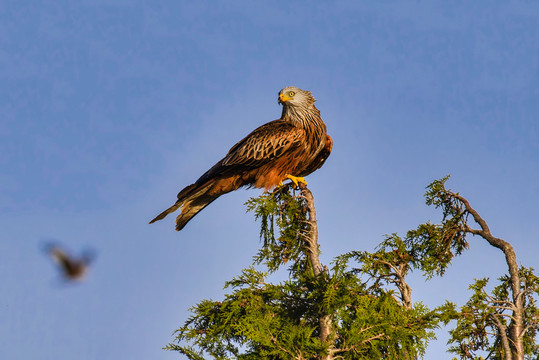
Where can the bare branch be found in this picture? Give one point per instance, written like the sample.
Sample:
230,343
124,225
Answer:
517,306
373,338
503,337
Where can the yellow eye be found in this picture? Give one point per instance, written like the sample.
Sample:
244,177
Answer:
291,93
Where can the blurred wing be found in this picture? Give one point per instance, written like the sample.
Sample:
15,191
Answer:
56,253
59,256
88,256
264,144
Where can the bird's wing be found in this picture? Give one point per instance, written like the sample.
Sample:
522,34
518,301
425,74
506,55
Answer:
320,158
265,143
59,255
88,256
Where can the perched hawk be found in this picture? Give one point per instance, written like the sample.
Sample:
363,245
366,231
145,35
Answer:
288,148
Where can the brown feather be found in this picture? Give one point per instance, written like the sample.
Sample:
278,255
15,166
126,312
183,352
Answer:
320,159
296,144
72,268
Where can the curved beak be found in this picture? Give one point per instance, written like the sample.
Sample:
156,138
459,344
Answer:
282,98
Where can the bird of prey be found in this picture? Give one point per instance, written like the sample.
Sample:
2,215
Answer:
291,147
71,268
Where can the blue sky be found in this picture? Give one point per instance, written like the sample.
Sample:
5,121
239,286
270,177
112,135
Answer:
109,108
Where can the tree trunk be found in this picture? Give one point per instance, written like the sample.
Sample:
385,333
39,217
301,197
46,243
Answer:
325,321
516,325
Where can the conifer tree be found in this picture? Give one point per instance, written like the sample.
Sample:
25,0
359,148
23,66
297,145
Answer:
502,324
320,312
361,306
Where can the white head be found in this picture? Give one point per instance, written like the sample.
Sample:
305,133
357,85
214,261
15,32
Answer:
293,96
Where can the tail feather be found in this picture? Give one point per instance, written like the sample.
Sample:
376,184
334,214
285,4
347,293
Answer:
182,197
195,197
191,200
191,208
166,212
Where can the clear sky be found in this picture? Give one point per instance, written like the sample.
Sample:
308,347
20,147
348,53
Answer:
109,108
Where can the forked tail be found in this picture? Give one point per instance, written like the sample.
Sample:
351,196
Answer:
166,212
192,207
191,200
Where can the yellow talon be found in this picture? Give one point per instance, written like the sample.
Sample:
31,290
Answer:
296,180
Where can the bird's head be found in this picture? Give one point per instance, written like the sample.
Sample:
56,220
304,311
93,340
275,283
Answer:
294,96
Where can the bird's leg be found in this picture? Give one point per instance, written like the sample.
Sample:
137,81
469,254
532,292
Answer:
296,180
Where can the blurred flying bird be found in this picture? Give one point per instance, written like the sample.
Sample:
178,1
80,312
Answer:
288,148
71,268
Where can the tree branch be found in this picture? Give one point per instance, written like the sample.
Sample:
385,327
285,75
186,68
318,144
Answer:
515,328
325,321
503,337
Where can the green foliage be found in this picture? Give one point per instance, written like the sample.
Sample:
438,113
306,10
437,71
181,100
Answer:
387,266
489,322
363,297
433,246
260,320
256,320
285,210
486,315
429,248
